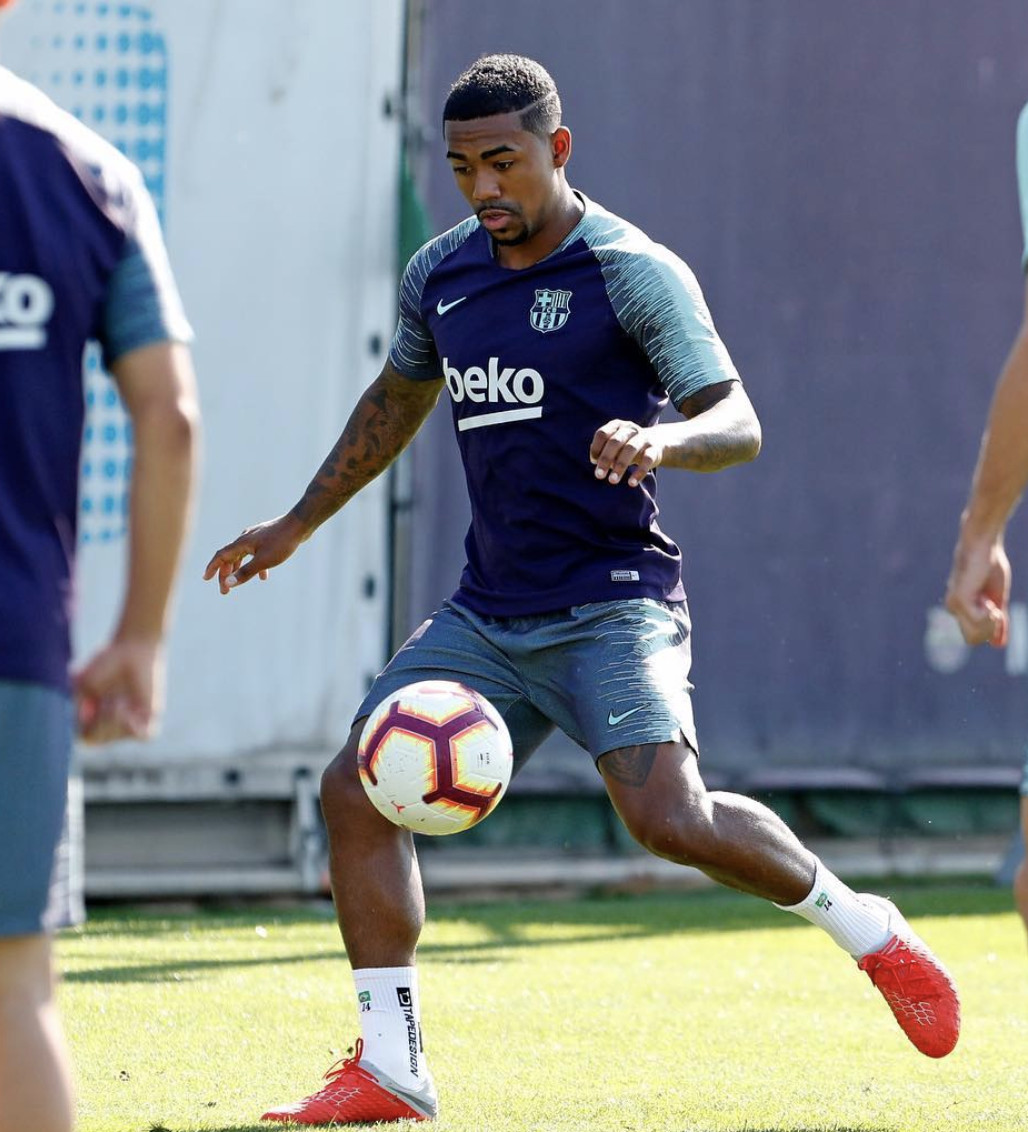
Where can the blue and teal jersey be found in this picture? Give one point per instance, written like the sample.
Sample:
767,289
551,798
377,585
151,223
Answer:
81,257
610,325
1022,177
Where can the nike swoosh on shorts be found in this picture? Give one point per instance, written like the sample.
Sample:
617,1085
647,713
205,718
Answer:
613,720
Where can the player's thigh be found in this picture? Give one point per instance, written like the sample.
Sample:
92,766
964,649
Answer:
624,675
35,752
451,645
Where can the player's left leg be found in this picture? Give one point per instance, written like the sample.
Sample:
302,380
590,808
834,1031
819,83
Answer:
658,793
35,1071
35,748
1021,876
629,665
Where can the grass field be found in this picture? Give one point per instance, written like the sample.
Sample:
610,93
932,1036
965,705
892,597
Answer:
664,1013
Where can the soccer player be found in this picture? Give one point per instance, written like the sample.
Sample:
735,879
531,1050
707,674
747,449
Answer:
81,257
978,592
559,332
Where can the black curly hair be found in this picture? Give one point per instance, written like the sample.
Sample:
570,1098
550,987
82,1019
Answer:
502,84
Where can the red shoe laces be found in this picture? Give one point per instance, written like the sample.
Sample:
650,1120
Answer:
904,964
338,1068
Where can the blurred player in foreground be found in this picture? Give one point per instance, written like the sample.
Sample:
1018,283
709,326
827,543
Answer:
978,593
560,332
81,257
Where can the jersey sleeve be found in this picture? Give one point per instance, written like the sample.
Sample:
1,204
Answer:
413,351
660,304
1022,178
142,304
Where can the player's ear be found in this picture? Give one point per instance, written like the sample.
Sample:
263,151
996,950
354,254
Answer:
560,146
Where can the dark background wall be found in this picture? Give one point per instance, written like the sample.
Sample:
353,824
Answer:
841,180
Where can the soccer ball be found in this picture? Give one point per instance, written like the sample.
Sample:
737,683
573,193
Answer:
435,757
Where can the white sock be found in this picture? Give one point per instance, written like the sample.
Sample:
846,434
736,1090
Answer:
859,926
389,1004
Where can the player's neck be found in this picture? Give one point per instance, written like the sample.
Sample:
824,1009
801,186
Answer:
567,213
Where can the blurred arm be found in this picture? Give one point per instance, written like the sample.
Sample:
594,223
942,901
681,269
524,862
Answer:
979,584
120,690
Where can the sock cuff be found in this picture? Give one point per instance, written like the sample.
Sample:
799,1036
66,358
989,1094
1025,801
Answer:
385,973
812,894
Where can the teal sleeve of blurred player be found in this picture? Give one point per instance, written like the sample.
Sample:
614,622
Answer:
1022,177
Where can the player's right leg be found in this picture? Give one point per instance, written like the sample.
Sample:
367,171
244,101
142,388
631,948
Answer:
376,885
35,746
380,904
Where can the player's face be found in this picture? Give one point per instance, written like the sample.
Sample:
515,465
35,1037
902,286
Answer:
510,177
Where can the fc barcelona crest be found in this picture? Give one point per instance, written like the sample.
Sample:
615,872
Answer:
550,310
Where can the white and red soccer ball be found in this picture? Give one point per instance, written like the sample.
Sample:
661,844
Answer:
435,757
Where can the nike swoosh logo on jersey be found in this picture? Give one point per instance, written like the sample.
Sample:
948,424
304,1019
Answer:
613,720
442,308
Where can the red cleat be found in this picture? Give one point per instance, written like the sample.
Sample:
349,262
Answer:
918,989
359,1094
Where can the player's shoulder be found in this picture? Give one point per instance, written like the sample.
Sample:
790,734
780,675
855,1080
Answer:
614,240
1022,130
638,269
107,174
441,247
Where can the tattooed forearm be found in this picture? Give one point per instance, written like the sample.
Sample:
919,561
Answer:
710,451
385,419
721,429
630,766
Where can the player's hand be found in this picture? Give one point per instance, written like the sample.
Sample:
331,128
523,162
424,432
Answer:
119,692
978,592
621,447
266,545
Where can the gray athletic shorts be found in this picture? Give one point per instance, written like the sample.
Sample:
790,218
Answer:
40,881
609,674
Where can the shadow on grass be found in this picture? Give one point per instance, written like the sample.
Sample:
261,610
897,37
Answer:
508,925
186,969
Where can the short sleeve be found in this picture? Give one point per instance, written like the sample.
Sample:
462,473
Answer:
659,303
413,351
143,304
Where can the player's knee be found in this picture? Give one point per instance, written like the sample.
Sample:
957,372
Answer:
341,789
672,829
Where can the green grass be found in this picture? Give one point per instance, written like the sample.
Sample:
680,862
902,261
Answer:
703,1012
